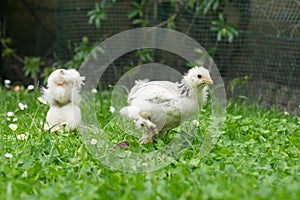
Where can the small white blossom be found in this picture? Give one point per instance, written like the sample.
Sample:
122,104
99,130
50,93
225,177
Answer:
30,87
54,129
93,141
94,90
42,100
46,127
8,155
286,113
7,82
22,106
15,119
13,127
195,122
112,109
8,118
10,114
22,137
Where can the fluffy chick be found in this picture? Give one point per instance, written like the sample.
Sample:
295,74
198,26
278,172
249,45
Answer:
159,106
62,94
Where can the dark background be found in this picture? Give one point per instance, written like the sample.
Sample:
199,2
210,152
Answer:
267,49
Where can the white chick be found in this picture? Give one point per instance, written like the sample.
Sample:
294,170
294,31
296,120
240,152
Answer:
159,106
63,97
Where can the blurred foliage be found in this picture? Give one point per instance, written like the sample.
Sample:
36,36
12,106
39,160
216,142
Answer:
144,55
205,5
237,85
139,16
224,30
80,53
98,13
7,52
32,66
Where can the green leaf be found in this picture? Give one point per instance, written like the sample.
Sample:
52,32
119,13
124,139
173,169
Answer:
92,19
230,36
98,22
132,14
138,21
135,4
207,6
219,36
216,5
97,6
8,52
221,17
8,41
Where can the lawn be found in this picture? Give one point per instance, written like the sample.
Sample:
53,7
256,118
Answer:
257,157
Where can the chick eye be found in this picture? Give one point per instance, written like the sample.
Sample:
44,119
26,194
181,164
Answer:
199,76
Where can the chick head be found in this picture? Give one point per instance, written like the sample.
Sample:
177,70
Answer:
63,77
57,78
198,77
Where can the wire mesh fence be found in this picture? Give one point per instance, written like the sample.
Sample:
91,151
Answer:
266,51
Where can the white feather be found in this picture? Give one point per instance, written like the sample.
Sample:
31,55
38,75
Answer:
68,114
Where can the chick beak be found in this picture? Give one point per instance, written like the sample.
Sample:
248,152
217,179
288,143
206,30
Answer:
60,83
208,80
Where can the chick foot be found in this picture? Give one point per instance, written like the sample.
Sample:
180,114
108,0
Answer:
148,137
151,130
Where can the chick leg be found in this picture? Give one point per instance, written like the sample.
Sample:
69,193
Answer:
133,112
151,130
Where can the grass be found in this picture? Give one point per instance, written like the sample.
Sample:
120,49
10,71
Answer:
257,157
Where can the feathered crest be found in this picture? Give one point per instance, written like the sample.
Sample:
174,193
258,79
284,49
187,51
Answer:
73,77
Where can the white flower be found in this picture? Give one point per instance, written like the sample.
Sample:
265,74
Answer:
8,155
112,109
46,127
195,122
13,127
7,82
22,137
93,141
286,113
22,106
30,87
54,129
42,100
8,118
10,114
15,119
94,90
